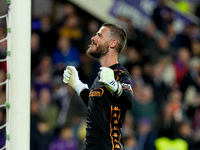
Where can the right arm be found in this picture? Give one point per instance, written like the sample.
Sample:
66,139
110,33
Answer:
70,77
85,96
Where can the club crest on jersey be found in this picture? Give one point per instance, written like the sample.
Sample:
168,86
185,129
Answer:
97,92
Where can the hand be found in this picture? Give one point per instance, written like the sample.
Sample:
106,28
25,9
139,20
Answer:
107,77
70,76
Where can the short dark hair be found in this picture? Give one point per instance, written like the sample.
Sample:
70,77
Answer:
118,32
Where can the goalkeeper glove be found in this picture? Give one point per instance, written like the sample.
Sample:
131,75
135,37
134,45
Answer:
70,76
107,77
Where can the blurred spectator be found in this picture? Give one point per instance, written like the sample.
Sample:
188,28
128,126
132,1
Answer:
68,102
196,114
71,29
33,94
196,123
34,110
168,75
196,48
34,119
189,85
48,111
64,141
160,89
41,134
61,98
184,39
128,130
44,28
132,56
165,125
36,51
185,132
80,128
42,137
130,143
137,92
136,74
147,68
42,80
145,135
67,9
34,114
175,103
45,65
162,47
65,54
145,106
162,15
181,62
171,35
133,35
149,41
195,33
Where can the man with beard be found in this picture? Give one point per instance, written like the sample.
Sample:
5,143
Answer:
110,96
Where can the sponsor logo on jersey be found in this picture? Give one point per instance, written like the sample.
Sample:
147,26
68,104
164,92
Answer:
97,92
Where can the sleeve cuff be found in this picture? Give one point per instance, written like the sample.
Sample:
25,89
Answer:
119,90
80,87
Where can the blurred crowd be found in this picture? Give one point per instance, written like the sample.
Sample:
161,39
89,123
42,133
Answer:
165,69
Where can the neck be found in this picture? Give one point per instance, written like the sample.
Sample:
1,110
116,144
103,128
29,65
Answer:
109,59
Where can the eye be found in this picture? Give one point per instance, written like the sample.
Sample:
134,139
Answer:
99,35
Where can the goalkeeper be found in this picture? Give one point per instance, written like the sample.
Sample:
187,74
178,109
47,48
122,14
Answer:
110,96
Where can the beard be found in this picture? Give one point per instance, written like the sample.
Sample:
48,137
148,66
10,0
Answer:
100,51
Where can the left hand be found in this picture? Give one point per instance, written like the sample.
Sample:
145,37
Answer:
107,77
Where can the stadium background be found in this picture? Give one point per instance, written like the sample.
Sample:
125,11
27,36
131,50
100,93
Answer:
162,55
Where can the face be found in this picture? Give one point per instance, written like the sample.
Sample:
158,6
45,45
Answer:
100,44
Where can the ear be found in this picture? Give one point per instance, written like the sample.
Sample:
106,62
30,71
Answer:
113,43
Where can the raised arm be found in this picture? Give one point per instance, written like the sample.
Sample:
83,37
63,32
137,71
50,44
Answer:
70,77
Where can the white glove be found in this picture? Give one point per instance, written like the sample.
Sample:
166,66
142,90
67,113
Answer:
70,76
107,77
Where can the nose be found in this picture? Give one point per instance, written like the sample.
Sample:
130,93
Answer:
92,39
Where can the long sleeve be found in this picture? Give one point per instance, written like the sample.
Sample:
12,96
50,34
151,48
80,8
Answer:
85,96
127,98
